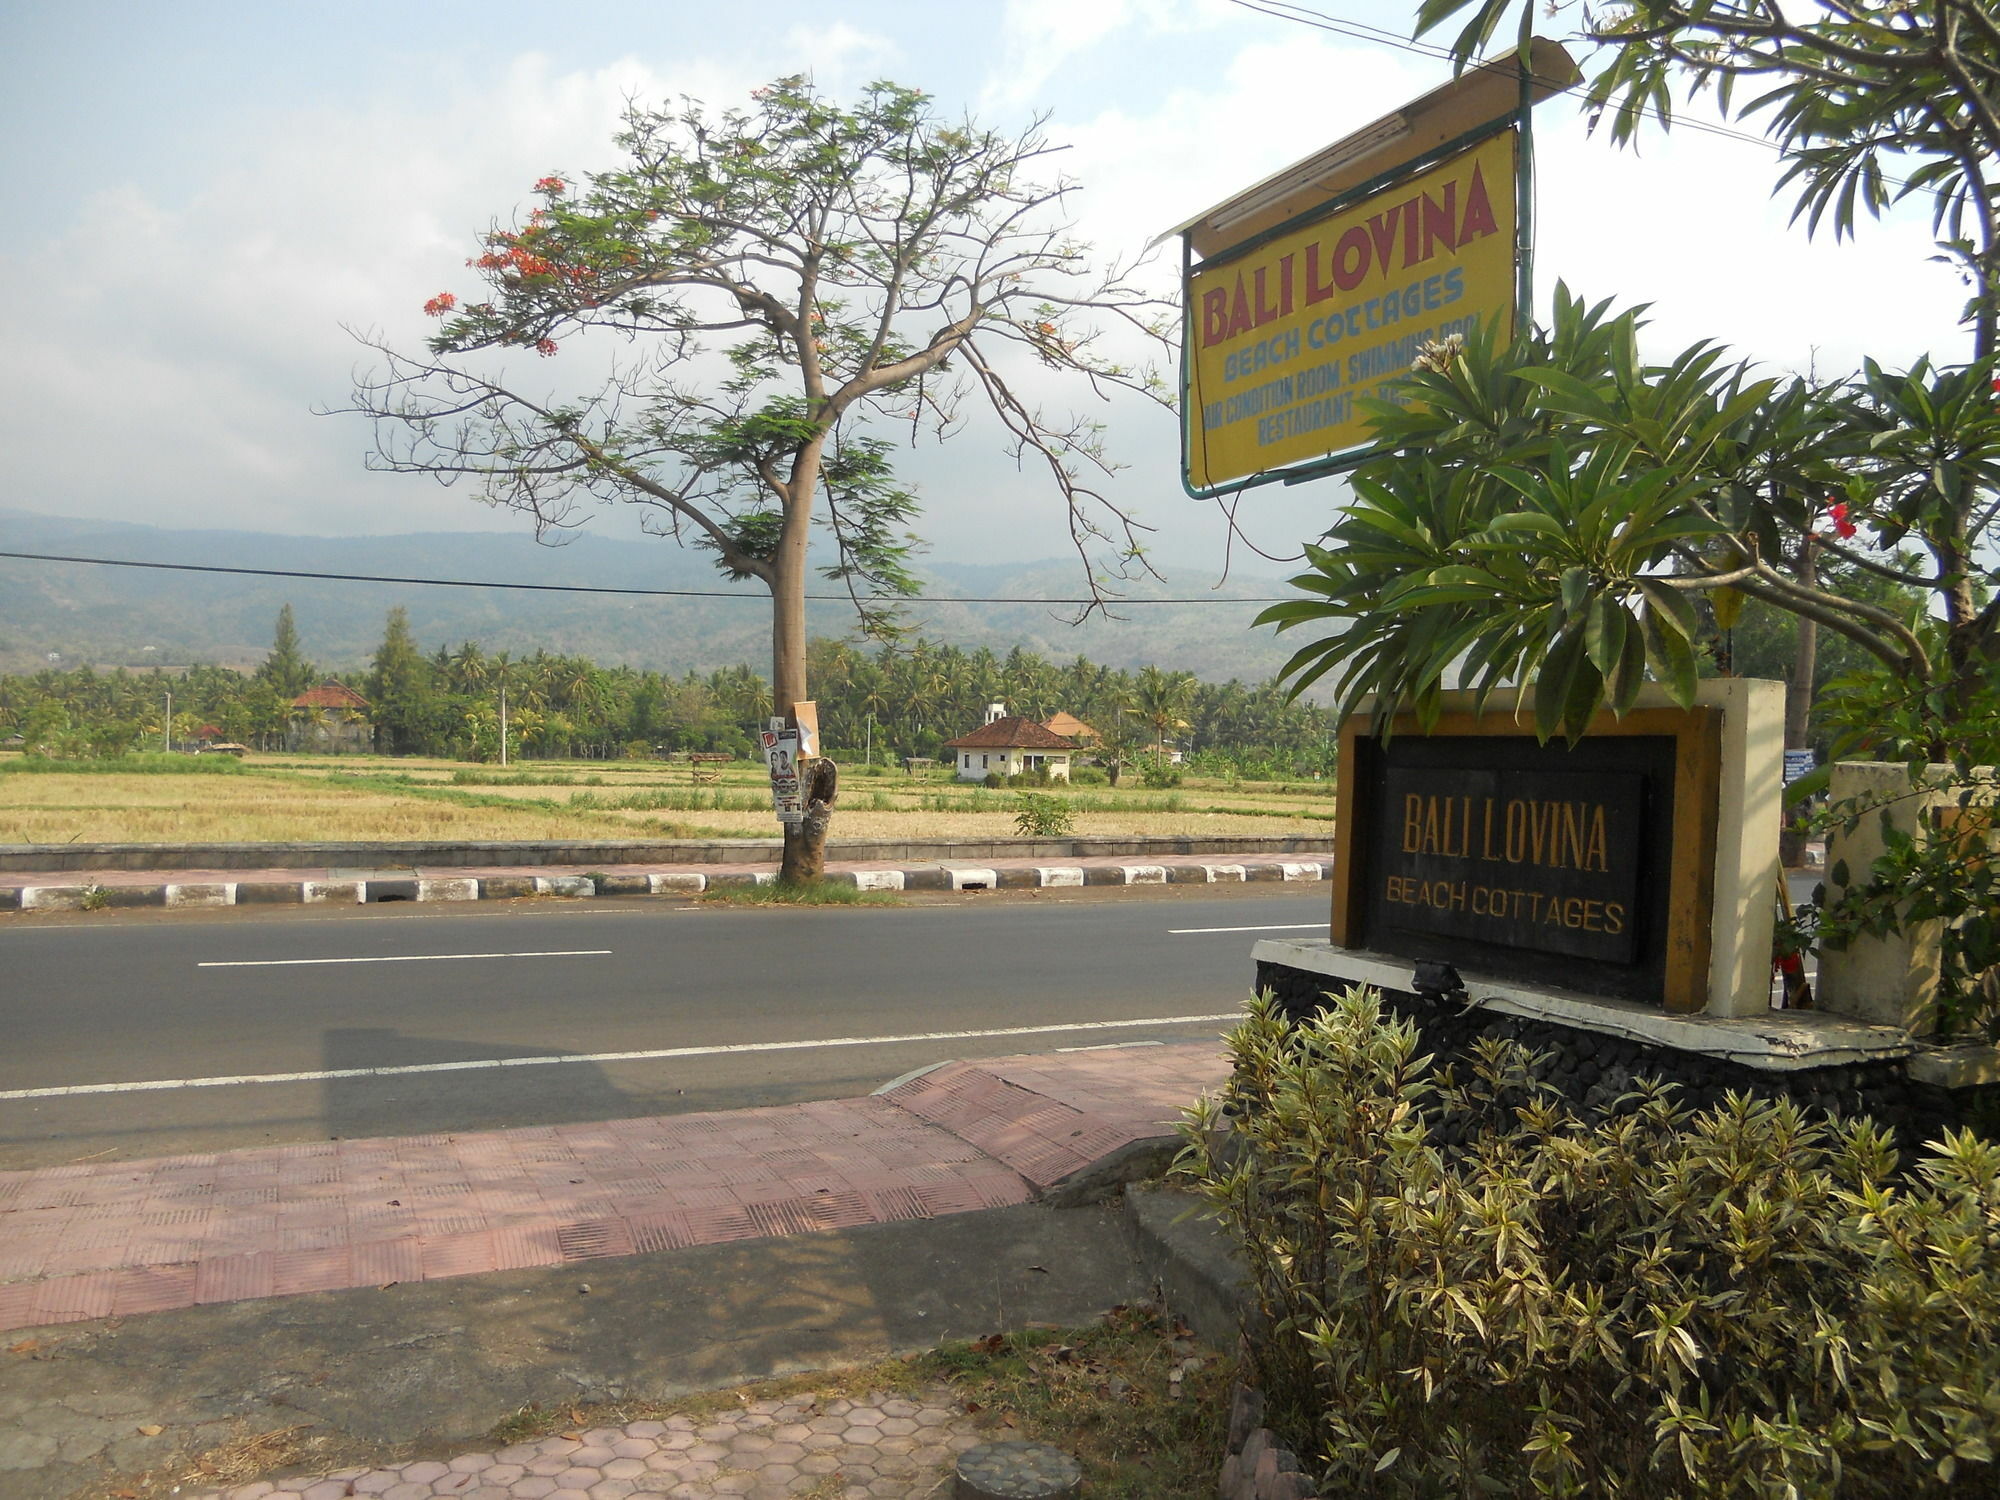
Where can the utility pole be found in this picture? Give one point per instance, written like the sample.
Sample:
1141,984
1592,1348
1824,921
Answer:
503,722
167,728
868,756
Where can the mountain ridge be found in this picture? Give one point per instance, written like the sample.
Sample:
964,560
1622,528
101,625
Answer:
112,616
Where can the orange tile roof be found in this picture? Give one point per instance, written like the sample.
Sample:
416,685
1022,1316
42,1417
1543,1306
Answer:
330,695
1069,724
1011,733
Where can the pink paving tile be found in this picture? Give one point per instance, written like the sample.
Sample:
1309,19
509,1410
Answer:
594,1239
145,1289
459,1255
715,1226
381,1261
233,1278
17,1304
323,1270
534,1245
897,1203
660,1231
74,1258
66,1299
789,1217
20,1261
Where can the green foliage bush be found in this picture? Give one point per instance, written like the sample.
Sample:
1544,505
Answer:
1159,778
1044,817
1087,776
993,781
1740,1302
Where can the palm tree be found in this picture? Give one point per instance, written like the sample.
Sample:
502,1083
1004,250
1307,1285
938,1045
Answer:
1162,699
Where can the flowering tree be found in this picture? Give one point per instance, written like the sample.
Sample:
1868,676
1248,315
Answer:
786,277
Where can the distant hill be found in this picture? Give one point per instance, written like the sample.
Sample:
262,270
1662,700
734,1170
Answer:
137,617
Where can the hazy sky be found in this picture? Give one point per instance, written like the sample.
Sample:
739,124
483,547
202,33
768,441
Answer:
205,193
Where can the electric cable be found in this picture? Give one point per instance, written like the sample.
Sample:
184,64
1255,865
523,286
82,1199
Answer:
589,588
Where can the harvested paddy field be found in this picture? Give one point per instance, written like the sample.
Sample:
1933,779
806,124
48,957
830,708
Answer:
292,799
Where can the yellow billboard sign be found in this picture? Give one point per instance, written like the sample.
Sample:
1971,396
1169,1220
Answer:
1285,338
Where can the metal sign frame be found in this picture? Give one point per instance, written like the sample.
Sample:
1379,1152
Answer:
1531,89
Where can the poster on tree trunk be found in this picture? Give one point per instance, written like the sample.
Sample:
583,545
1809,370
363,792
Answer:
781,754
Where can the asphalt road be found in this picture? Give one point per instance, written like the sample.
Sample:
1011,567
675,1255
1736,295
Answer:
466,1007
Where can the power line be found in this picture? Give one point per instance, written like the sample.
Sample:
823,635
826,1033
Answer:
1285,10
586,588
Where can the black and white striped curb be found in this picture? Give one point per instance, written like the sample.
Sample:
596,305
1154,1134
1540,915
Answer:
89,897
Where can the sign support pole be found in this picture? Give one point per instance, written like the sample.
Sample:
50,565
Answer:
1524,180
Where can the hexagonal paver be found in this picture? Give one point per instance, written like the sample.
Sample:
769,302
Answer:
577,1478
791,1432
644,1430
898,1426
534,1487
713,1452
408,1490
777,1475
626,1468
613,1489
819,1463
424,1473
784,1453
898,1407
471,1463
631,1447
864,1416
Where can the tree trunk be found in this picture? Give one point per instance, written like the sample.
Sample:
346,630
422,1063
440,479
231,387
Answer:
1798,704
804,859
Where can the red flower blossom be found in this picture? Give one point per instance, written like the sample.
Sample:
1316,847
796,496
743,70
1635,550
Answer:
439,305
545,347
550,185
1843,528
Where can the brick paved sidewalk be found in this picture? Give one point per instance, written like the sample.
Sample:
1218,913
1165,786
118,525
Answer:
123,1238
68,891
876,1448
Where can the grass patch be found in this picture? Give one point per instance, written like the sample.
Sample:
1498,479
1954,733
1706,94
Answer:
128,765
673,799
888,1377
790,893
1140,1404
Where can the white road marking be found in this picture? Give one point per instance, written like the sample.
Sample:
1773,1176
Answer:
407,958
1280,927
62,1091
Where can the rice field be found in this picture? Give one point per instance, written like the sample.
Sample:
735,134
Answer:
291,799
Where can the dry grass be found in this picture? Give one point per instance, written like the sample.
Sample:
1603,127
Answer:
292,799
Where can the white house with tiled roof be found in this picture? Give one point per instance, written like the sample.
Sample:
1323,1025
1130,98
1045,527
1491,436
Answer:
1007,745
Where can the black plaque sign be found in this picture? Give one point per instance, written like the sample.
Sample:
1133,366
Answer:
1546,863
1527,859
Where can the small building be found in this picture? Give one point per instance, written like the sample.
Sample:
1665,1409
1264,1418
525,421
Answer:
1070,727
1007,745
330,717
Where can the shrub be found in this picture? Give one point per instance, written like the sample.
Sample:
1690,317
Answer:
1740,1302
994,781
1087,776
1044,817
1159,778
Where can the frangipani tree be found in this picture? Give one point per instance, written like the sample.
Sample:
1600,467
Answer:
1544,514
789,281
